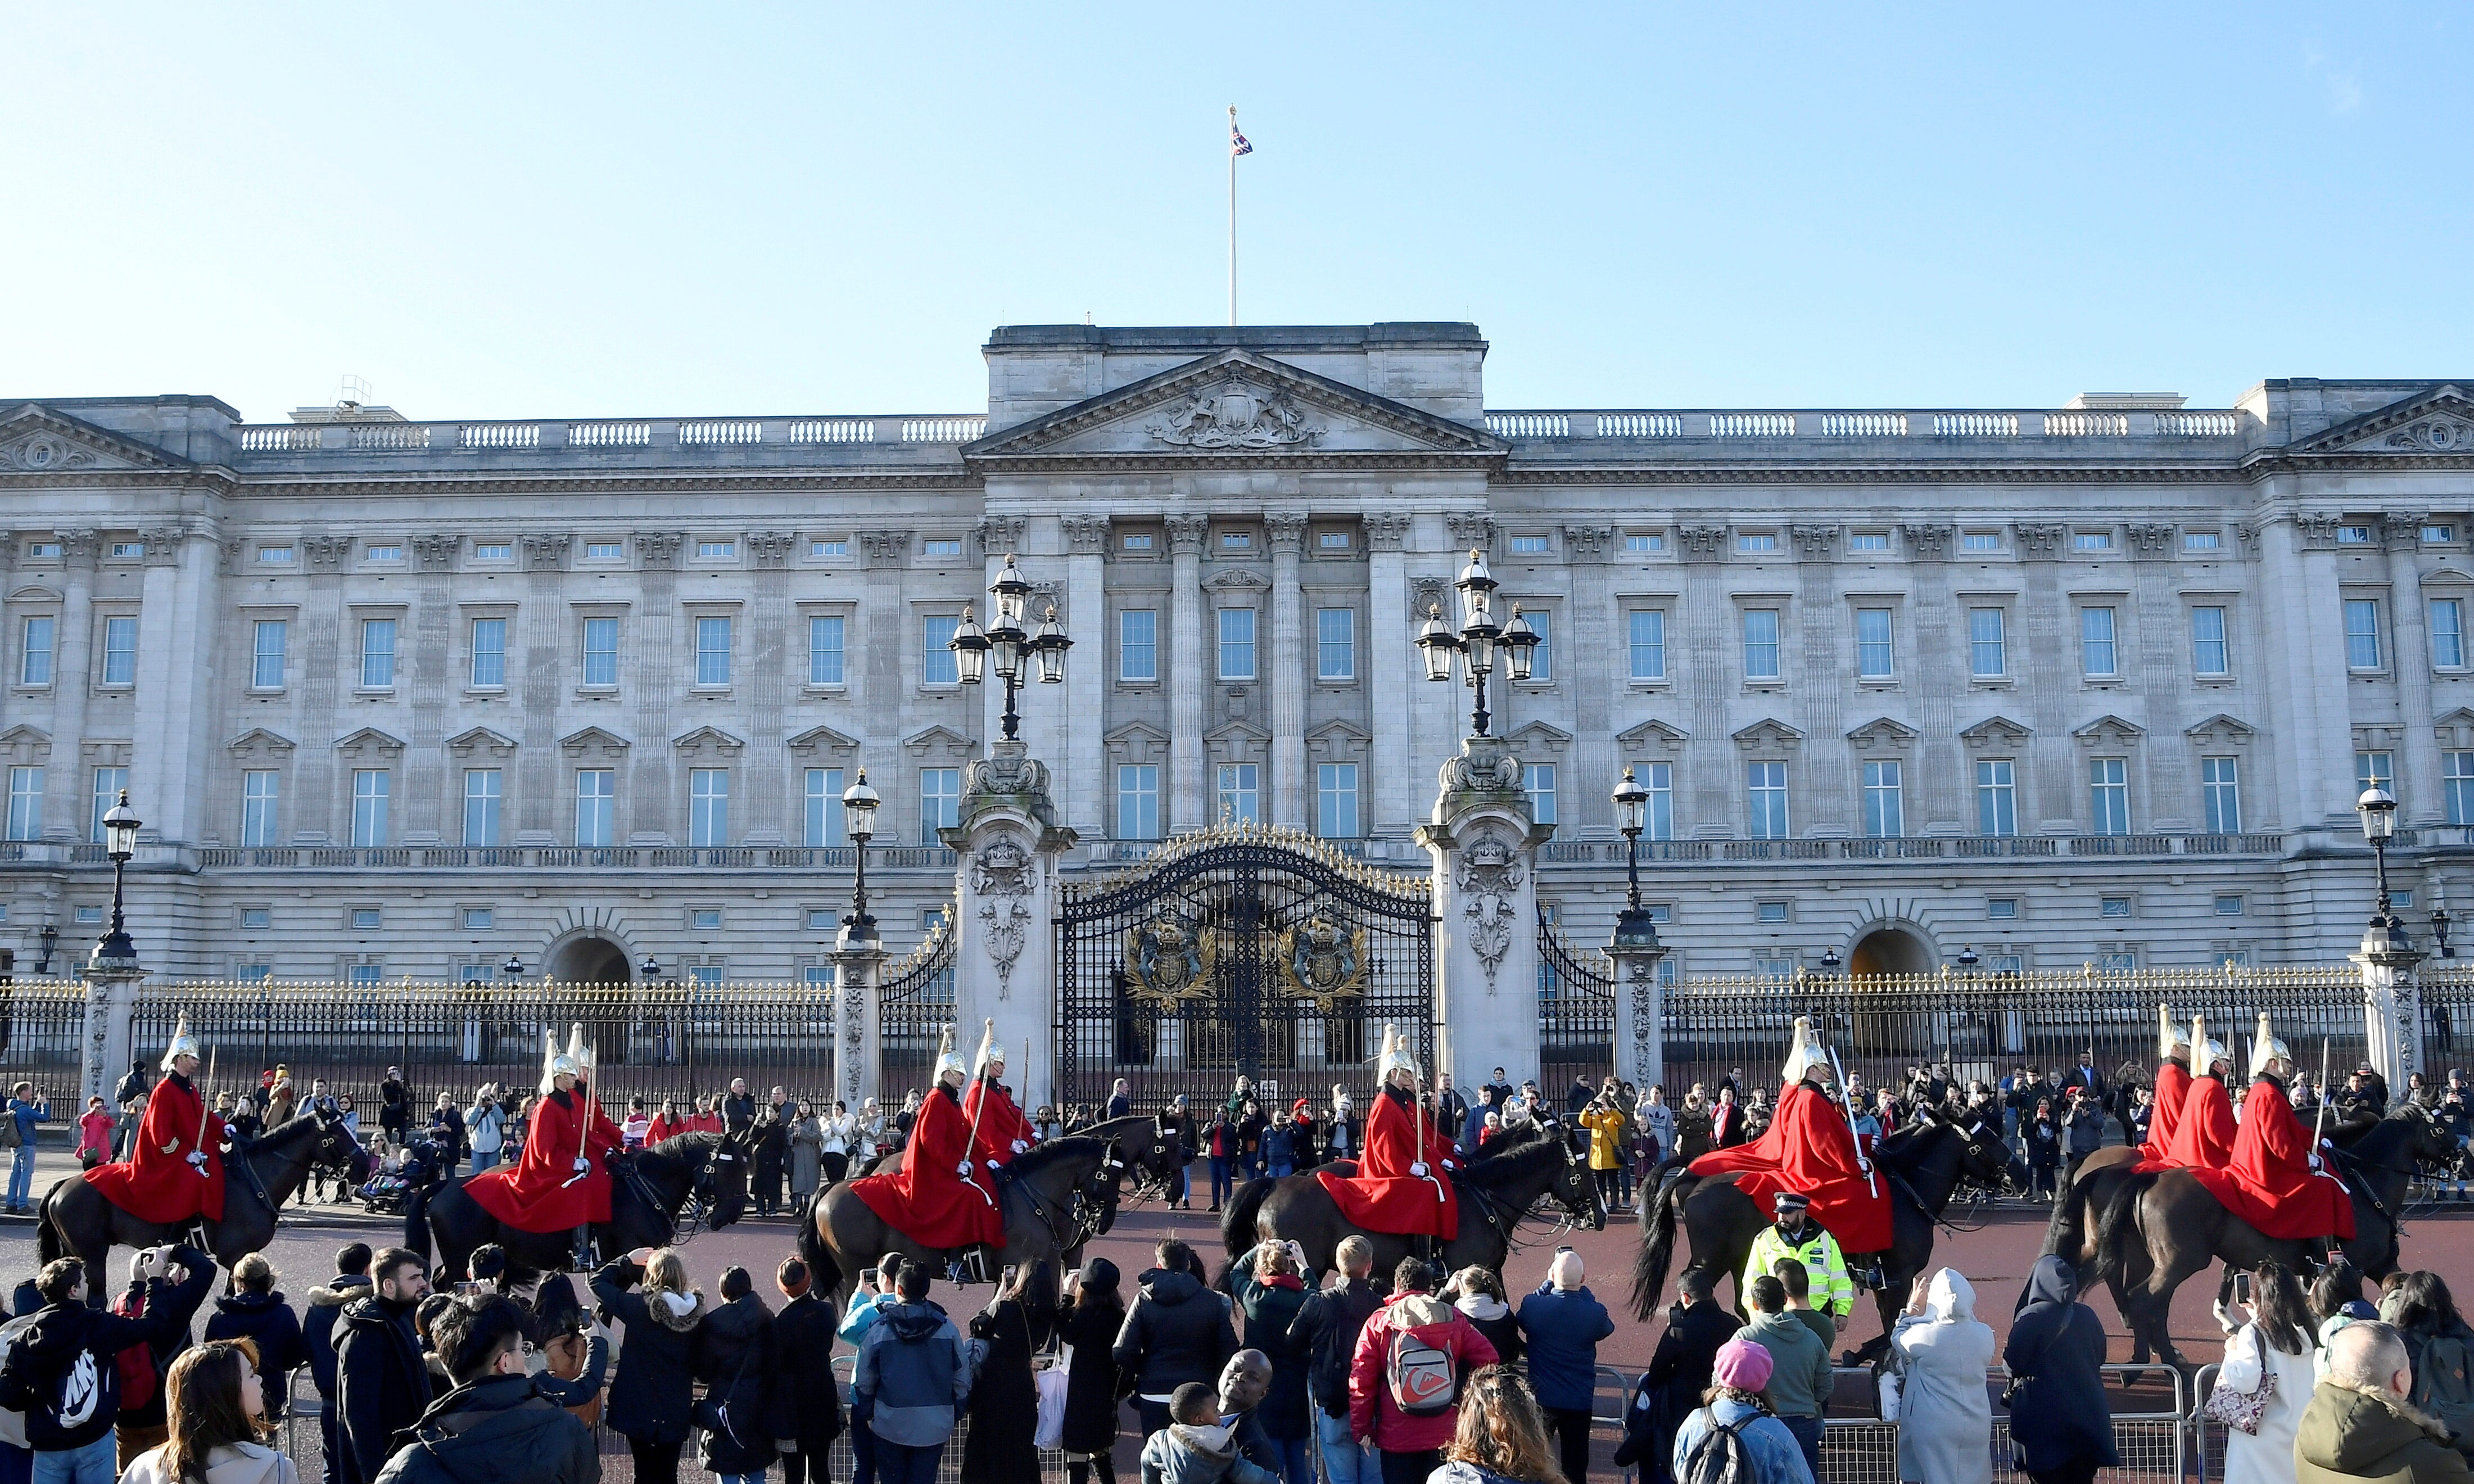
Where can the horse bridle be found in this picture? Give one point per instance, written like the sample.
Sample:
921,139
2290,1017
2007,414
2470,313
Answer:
700,1195
1566,1220
1085,1224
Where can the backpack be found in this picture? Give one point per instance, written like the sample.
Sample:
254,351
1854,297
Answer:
1422,1380
2444,1379
1720,1457
10,1136
137,1364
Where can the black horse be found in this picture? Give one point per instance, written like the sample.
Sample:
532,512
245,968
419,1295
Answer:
2161,1227
260,1174
1496,1192
709,1167
1147,1158
1054,1199
1924,1164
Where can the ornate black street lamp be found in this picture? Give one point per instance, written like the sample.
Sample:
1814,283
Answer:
1014,650
650,969
115,953
1633,929
1477,638
513,968
2378,810
1831,961
2440,931
859,821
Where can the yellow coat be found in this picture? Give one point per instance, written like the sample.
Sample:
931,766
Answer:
1605,1126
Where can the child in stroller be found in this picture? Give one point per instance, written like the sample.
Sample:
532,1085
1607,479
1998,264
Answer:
400,1173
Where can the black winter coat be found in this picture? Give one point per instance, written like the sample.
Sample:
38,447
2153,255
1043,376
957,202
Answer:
269,1321
735,1359
803,1349
498,1431
1668,1392
1328,1322
318,1329
1091,1383
2059,1416
1271,1312
1178,1331
650,1395
382,1386
999,1449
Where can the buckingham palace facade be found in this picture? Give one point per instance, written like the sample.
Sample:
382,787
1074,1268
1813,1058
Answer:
407,699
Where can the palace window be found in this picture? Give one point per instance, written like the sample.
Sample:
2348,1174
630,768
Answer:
2095,642
1138,645
712,651
1236,643
35,667
597,806
825,649
1240,793
1757,542
938,664
1873,643
371,789
1138,816
1765,794
824,799
25,803
119,651
2109,795
1336,800
2210,654
1885,816
1537,782
601,652
1869,541
2363,633
261,791
378,654
1987,653
1997,798
2447,632
709,806
2457,786
940,801
946,547
1659,778
1335,644
481,806
1648,643
107,784
1760,644
266,667
489,654
2221,794
2374,769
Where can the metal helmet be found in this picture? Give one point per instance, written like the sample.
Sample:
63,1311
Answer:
184,1043
2265,1050
992,1056
1804,1053
1396,1057
2205,1054
556,1064
947,1061
2170,1036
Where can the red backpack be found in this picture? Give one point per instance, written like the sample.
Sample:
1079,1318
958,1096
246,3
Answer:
137,1363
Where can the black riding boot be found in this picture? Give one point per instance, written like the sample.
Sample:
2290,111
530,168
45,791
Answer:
583,1262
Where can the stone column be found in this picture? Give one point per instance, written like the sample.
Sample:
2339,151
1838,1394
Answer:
159,757
1189,792
1641,1002
2392,1005
1005,894
1484,850
1289,793
65,794
1388,632
1085,783
110,1011
2416,783
858,968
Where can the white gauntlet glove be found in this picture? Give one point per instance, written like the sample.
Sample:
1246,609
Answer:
582,1164
1019,1146
1418,1169
963,1169
198,1158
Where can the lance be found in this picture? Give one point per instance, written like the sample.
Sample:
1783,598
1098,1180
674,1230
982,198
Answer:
206,1110
2319,1119
1849,1108
971,1150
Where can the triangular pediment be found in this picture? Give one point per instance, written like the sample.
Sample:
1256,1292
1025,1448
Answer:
480,738
821,739
1137,742
2221,728
1235,404
1996,730
35,440
1768,735
367,741
593,741
1237,727
1538,736
939,738
1882,734
256,742
708,741
2438,421
2109,731
1653,735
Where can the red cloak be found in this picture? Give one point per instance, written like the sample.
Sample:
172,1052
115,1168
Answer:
2268,1180
158,1184
1383,1196
1001,1123
1807,1148
533,1194
2173,1085
2204,1138
924,1199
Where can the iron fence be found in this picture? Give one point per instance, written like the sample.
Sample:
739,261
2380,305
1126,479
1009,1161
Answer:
43,1032
915,1005
2447,1018
1576,1012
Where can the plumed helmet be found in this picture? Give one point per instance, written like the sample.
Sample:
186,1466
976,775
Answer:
579,1052
946,1059
555,1063
1396,1055
2170,1035
2205,1054
1804,1051
184,1043
2265,1050
992,1050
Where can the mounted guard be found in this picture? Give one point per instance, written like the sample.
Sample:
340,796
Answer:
1809,1149
2276,1178
999,1130
941,1198
175,1172
2172,1084
1403,1186
2203,1139
560,1184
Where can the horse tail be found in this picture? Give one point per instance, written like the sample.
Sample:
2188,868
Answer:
1237,1223
824,1273
48,1246
416,1222
2119,1222
2063,1232
1649,1261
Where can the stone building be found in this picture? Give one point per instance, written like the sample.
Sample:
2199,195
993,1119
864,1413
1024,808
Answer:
401,697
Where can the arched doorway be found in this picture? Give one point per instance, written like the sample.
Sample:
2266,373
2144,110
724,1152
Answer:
1884,1028
591,961
1889,951
604,1010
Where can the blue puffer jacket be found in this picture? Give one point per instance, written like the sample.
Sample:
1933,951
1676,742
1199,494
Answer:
1564,1330
913,1375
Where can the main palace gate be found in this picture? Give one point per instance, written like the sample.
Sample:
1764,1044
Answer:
1240,951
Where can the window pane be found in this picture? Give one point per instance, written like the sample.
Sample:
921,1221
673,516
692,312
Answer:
1766,795
267,672
370,789
1138,646
488,652
601,651
2457,786
25,803
1996,809
596,799
36,669
1760,644
941,800
1985,651
1542,660
1537,780
1884,808
2096,641
1648,644
937,665
120,651
2448,634
1873,643
378,653
481,806
1335,644
712,651
825,649
1239,793
2109,795
1336,800
709,806
1138,801
2361,633
824,796
2208,650
1236,643
260,790
107,784
2374,769
2221,793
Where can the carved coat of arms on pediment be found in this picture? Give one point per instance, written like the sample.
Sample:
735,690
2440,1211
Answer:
1235,414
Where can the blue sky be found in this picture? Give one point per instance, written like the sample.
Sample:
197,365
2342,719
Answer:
522,210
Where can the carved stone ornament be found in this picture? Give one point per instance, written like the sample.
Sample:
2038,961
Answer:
2318,531
658,551
43,453
2151,538
1004,868
1186,534
998,535
1489,878
769,548
1002,875
1086,535
1462,773
1930,538
1701,541
2439,435
163,546
546,553
436,554
1386,529
1235,414
1285,532
1427,593
326,552
1813,543
2036,539
1471,529
1170,960
1006,774
854,1038
1587,541
1640,976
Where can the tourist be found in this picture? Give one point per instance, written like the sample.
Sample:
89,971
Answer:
913,1375
635,1129
807,1157
256,1312
2441,1348
1739,1373
1197,1447
219,1430
2060,1425
651,1397
2272,1359
1678,1374
1412,1446
1562,1323
1608,1129
493,1426
351,1282
1477,1292
1694,1136
839,1144
1499,1437
61,1371
25,1111
1657,1120
1330,1323
803,1349
383,1384
1220,1145
743,1409
875,1292
770,1156
485,1123
1176,1331
395,1106
95,1135
1093,1314
2042,1132
1800,1377
1280,1145
1251,1126
997,1448
1272,1292
130,1097
1177,1127
1941,1351
2360,1425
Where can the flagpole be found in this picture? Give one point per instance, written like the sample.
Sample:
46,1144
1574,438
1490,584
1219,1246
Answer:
1232,214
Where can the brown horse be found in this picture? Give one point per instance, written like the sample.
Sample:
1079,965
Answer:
1054,1199
2160,1228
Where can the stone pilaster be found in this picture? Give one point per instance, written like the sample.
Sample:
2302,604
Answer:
1641,1002
859,967
1086,782
1189,796
2392,1005
1289,791
110,1011
1484,850
65,794
1388,661
1005,894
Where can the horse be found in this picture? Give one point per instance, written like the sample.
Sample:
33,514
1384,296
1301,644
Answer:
2163,1226
1150,1158
1054,1199
1924,1163
260,1174
1496,1192
709,1167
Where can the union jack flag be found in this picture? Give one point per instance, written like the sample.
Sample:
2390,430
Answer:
1237,144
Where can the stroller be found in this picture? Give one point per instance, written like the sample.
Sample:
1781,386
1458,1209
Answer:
390,1192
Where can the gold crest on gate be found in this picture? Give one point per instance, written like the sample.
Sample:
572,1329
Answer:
1323,962
1170,959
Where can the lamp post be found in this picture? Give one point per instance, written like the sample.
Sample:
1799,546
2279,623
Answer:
859,821
513,968
650,969
1634,930
1831,961
2377,808
2440,931
115,953
1014,651
1477,638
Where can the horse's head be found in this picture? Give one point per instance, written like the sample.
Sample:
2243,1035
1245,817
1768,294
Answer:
1576,1190
1984,1155
1151,1159
1095,1202
2427,1139
722,1180
337,1147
